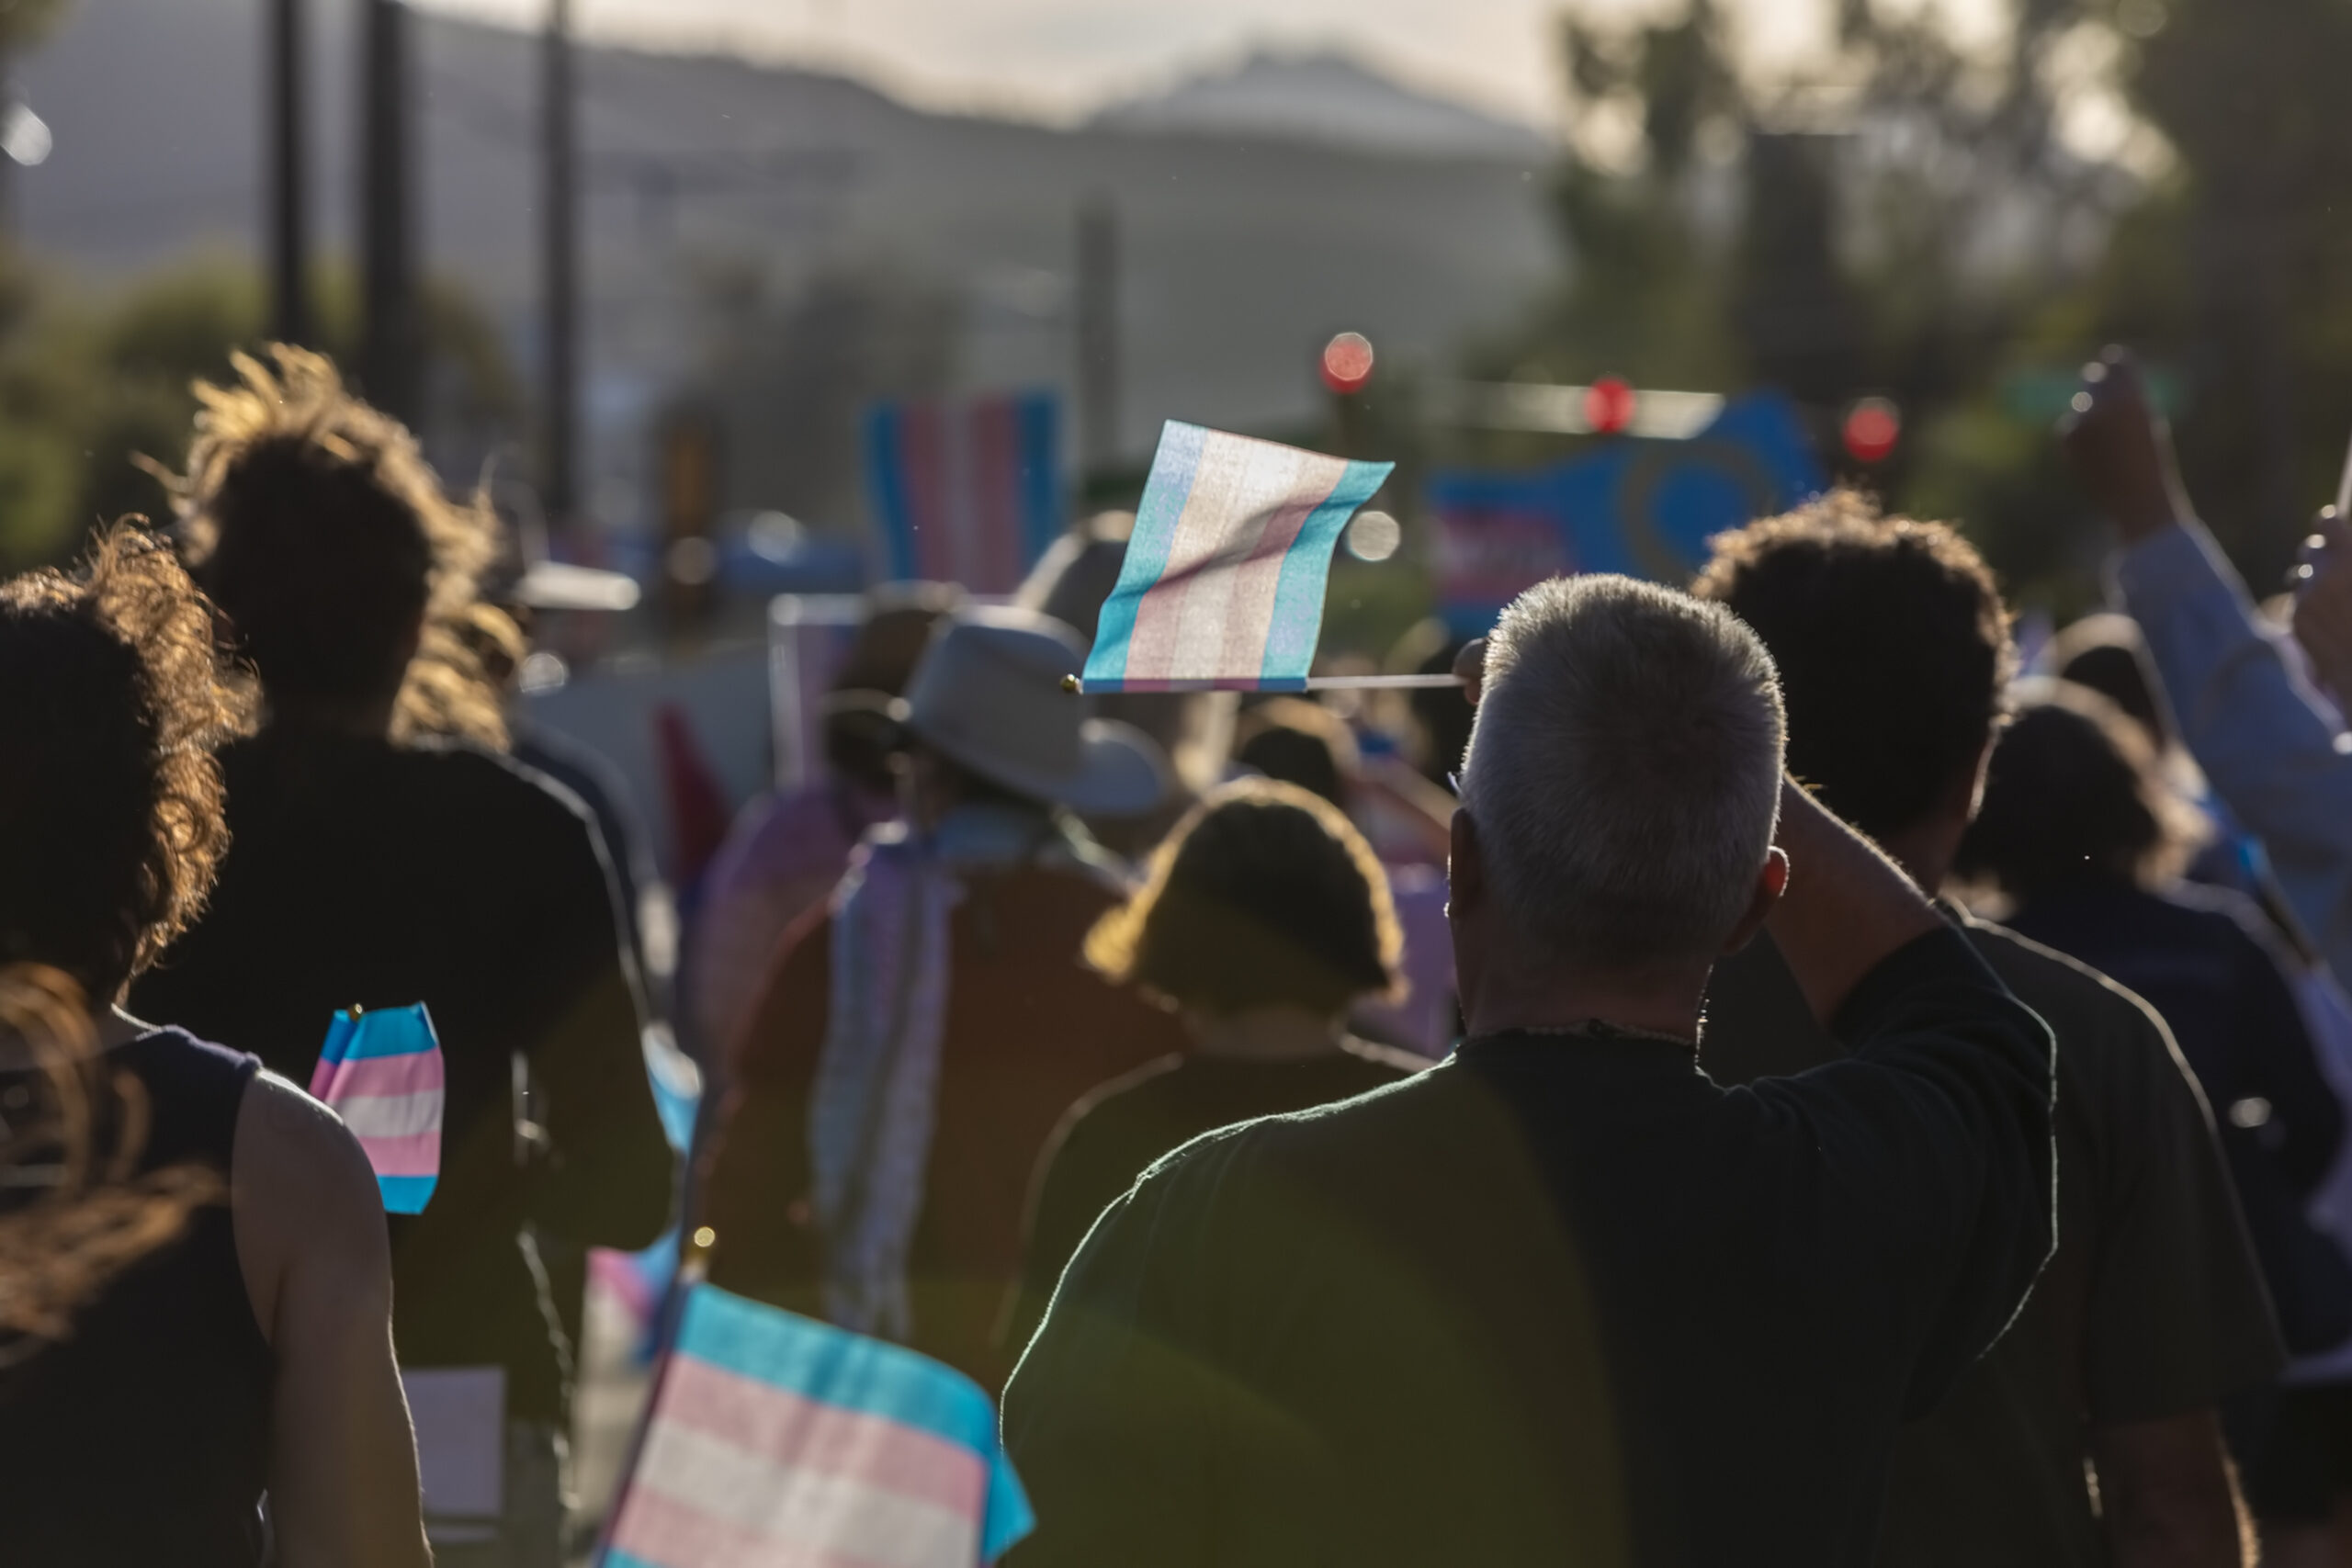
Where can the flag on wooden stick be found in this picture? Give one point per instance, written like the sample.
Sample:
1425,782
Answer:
1223,585
380,1071
777,1439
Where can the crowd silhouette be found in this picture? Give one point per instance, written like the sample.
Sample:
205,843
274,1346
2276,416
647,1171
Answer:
1754,1075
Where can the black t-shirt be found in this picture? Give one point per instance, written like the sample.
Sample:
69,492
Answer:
362,873
1556,1300
1109,1138
2152,1305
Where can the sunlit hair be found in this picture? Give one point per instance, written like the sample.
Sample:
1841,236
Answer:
76,1150
2075,796
112,698
315,523
1624,771
1264,895
1892,646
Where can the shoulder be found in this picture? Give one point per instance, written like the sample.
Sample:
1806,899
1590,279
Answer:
283,1132
1383,1061
2072,996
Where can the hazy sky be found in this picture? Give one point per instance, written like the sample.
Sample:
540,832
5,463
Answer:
1060,57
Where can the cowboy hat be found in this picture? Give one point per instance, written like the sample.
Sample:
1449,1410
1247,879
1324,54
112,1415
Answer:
987,696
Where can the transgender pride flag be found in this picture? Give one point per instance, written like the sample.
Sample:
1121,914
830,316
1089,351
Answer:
777,1439
966,491
381,1073
1222,589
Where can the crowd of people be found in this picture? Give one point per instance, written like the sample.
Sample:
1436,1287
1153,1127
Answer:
1756,1075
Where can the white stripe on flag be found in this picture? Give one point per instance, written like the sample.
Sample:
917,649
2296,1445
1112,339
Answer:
842,1518
391,1115
1232,522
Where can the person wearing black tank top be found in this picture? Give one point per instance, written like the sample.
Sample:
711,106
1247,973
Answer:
248,1353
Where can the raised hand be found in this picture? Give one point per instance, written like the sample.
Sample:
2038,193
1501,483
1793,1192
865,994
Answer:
2122,449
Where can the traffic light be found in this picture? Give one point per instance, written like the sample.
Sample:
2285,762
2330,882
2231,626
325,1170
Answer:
1872,427
1347,363
1608,405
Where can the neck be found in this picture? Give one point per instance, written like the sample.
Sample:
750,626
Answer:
1551,997
108,1028
367,718
1926,850
1264,1034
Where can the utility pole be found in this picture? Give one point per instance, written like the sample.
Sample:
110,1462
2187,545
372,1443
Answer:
288,248
389,352
1097,334
561,260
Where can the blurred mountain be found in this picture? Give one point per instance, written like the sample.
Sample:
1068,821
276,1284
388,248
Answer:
1329,98
726,201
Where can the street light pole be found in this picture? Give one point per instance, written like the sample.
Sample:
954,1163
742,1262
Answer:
389,350
560,261
289,247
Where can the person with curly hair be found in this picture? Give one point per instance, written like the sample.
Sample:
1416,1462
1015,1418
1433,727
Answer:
378,861
179,1356
1266,918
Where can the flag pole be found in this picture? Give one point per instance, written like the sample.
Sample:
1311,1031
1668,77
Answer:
1076,684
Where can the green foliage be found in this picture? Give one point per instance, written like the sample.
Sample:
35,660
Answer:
89,388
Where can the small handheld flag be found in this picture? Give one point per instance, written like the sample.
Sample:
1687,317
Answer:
1223,585
775,1438
381,1073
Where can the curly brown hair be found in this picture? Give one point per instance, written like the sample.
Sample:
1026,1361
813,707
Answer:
316,524
112,698
1892,645
1264,895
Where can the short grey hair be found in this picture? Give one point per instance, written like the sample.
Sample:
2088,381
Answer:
1624,771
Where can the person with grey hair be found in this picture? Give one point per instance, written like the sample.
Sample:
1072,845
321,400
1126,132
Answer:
1562,1298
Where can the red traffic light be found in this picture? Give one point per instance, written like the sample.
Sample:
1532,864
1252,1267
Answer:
1872,427
1347,363
1608,405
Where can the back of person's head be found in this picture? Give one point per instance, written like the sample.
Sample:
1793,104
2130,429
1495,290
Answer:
1299,742
2103,652
1625,772
111,700
1892,646
1264,897
2074,798
859,735
315,525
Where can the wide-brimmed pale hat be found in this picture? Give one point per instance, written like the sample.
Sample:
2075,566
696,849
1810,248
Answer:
989,695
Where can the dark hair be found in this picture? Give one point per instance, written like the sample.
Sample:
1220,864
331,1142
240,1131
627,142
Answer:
1299,742
2105,654
1264,895
315,523
1892,646
112,696
2073,796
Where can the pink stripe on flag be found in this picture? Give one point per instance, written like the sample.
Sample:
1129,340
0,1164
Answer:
416,1073
659,1529
1199,533
1250,612
419,1153
996,478
802,1434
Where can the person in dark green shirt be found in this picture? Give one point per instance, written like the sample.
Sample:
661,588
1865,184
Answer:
1562,1298
1265,919
2088,1436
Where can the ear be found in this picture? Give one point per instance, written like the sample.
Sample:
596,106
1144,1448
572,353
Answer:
1770,883
1465,868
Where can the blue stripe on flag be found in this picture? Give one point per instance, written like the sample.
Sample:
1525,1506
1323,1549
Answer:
885,478
406,1194
615,1557
1164,495
1009,1517
387,1032
1036,417
1306,570
816,1360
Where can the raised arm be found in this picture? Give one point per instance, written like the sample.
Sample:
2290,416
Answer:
2267,743
311,1240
